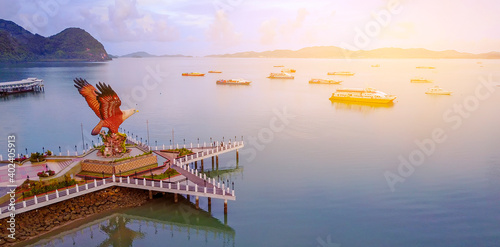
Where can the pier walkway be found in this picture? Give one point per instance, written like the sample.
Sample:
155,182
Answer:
197,184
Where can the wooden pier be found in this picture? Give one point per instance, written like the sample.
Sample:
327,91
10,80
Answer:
26,85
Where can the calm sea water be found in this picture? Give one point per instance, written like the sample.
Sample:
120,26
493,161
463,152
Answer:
314,178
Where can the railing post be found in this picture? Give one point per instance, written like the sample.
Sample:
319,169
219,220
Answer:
36,199
136,183
86,186
128,179
57,194
152,183
95,182
77,188
205,190
161,183
195,187
103,181
169,185
178,187
114,178
120,179
67,191
144,181
24,205
223,192
214,189
46,197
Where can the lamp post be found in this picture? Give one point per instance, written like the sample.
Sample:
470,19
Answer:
43,150
75,148
211,142
198,140
27,151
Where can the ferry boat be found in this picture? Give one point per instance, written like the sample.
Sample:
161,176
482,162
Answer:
280,76
438,91
323,81
193,74
425,67
215,71
234,82
375,65
341,73
25,85
288,70
420,80
365,95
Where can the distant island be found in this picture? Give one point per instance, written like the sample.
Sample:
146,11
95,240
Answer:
337,52
72,44
142,54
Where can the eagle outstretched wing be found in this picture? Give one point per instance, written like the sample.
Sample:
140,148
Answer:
89,93
108,100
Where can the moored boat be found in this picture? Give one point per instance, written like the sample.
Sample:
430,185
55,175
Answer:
193,74
234,82
279,65
420,80
280,76
288,70
347,73
438,91
375,65
366,95
324,81
425,67
214,71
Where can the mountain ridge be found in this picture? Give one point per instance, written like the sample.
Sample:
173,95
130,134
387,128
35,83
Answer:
337,52
72,44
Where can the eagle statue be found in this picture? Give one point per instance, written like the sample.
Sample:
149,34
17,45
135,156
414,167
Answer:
105,104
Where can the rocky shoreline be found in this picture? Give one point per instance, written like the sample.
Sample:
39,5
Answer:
43,220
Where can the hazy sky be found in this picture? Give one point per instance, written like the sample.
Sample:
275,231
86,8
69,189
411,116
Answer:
203,27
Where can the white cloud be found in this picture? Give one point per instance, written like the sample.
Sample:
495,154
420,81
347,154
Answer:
125,22
221,32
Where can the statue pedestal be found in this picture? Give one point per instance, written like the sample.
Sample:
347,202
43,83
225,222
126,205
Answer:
113,144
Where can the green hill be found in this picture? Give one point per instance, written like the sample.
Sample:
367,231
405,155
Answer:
72,44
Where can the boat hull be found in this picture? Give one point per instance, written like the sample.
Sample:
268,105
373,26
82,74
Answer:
363,100
440,93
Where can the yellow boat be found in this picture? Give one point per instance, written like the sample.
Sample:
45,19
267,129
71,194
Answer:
347,73
214,71
288,70
375,65
420,80
425,67
323,81
438,91
193,74
365,95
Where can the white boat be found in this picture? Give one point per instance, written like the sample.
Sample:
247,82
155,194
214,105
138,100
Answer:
346,73
438,91
365,95
280,76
